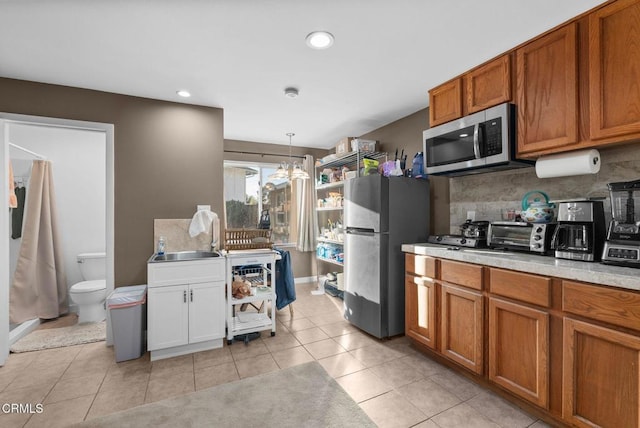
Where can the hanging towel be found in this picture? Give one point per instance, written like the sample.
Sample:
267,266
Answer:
13,200
201,222
17,214
285,285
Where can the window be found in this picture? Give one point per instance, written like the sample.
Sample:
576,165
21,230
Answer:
248,191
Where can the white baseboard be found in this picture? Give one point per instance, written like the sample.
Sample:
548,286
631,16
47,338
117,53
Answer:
305,279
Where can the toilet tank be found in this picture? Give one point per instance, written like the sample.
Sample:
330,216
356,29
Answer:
92,265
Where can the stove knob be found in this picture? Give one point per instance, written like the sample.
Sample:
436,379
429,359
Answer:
536,246
539,229
463,241
439,238
537,237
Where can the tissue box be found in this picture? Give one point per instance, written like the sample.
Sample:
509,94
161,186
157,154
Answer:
343,146
363,145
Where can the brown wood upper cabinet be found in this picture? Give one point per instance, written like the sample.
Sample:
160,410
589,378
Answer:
445,102
489,85
547,95
614,67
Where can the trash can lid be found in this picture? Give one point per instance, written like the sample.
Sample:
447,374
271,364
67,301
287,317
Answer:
123,297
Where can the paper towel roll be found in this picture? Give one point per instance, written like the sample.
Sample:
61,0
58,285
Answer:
579,162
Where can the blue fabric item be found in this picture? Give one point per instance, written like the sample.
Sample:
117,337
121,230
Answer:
285,286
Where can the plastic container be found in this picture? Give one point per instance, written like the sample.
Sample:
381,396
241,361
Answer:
162,242
127,311
417,169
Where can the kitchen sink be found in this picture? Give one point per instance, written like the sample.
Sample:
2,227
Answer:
179,256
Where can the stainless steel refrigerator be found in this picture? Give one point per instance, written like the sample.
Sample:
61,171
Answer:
380,214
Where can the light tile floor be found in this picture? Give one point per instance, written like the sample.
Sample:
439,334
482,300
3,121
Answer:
393,383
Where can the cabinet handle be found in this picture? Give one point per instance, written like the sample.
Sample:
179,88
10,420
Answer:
191,295
184,296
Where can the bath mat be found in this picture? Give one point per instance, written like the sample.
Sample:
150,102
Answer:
60,337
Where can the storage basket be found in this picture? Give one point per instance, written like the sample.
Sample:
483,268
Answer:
247,239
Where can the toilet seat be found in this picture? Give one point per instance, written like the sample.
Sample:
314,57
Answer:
89,286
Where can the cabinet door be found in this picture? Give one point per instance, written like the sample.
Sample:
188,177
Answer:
420,309
445,102
461,335
489,85
601,376
519,350
547,95
206,311
167,317
614,55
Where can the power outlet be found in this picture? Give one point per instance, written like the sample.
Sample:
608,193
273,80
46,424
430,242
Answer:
471,215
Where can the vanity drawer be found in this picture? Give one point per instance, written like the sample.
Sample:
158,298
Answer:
420,265
611,305
525,287
466,274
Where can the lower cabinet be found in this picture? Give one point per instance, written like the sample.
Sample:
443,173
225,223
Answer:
461,326
185,307
519,350
601,376
420,309
185,314
570,349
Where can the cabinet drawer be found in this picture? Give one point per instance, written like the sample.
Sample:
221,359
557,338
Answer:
169,273
521,286
610,305
466,274
420,265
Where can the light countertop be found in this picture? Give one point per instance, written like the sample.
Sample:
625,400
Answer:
595,273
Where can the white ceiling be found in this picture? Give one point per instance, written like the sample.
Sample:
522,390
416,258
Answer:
240,55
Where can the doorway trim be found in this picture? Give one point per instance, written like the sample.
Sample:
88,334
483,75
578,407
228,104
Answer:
7,119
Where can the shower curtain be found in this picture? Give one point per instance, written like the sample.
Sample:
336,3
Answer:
39,288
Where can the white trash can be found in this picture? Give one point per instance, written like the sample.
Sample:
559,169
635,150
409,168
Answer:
127,310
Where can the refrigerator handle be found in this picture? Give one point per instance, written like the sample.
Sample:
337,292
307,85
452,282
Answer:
353,230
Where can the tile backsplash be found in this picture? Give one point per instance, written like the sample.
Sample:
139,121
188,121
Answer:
491,193
176,232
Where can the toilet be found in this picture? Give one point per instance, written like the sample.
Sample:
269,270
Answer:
91,293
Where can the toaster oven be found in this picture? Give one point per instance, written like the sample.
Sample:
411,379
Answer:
521,236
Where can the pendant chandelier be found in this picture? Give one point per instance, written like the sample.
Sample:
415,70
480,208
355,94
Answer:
283,173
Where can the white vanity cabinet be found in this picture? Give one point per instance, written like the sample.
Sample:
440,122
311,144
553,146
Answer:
186,307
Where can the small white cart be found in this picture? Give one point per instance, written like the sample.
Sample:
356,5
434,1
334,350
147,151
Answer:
258,267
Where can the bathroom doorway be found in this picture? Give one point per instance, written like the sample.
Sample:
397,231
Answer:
82,157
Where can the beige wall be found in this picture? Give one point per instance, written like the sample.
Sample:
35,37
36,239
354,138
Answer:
168,158
303,263
406,133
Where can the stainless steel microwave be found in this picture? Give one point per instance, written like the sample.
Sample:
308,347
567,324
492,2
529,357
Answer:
480,142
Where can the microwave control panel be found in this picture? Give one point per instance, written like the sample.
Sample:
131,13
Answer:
493,136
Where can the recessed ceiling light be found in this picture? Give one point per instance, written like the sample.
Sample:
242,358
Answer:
291,92
320,40
183,93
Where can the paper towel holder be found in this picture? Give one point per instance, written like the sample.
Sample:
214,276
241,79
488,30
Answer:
579,162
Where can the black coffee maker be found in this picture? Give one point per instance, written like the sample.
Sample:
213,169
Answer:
581,231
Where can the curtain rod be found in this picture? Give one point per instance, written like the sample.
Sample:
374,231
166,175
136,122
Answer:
28,151
263,154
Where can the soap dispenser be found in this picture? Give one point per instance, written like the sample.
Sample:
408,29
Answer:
161,245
